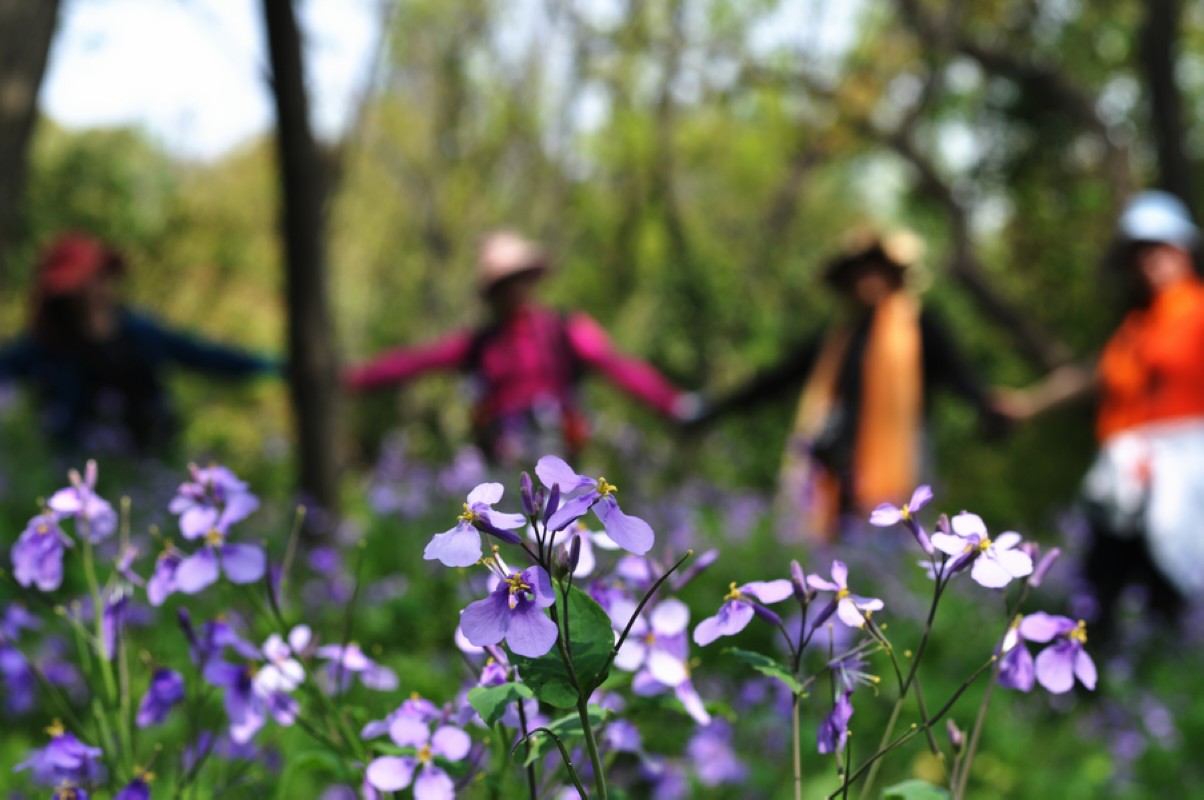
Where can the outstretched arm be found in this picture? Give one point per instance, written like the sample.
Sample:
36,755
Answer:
592,345
201,355
401,364
789,373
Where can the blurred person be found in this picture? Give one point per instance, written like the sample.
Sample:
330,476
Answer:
526,363
858,438
99,368
1144,493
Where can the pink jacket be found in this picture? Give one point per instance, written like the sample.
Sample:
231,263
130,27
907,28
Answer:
521,362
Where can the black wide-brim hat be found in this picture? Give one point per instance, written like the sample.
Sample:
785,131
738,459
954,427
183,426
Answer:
895,251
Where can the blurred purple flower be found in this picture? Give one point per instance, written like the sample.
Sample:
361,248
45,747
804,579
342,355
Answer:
580,493
37,555
461,546
165,690
834,730
95,519
715,761
887,514
214,498
513,611
1015,661
64,759
241,563
738,608
112,622
347,663
394,773
138,788
162,581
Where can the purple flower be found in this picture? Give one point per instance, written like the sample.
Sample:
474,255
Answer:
580,493
995,562
886,514
714,759
64,760
37,554
393,773
513,611
214,498
125,564
834,730
241,563
658,645
112,622
1066,659
345,663
162,581
461,546
1015,661
852,609
739,607
95,519
165,690
138,788
283,673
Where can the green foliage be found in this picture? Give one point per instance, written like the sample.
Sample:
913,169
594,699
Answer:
590,641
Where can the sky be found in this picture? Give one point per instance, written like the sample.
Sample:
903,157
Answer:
192,72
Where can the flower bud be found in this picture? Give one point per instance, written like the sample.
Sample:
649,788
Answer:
574,553
1043,566
798,582
765,613
552,504
526,495
956,737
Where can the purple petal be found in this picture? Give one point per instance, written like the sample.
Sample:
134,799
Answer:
459,547
846,611
966,525
197,571
1041,627
919,498
197,521
407,730
670,617
434,784
1016,669
949,544
541,586
1055,667
503,521
554,471
631,533
732,618
571,511
840,574
769,591
390,773
451,743
886,515
485,621
243,563
988,572
530,632
486,494
1084,668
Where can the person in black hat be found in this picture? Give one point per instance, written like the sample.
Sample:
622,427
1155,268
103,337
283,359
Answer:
858,437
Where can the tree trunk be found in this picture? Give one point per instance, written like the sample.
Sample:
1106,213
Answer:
313,375
1159,47
26,31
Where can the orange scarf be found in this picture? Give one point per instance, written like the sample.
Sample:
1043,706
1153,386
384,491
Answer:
887,447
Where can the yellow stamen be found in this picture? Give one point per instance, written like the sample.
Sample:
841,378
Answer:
733,593
213,538
605,488
1079,634
56,729
469,515
842,594
424,754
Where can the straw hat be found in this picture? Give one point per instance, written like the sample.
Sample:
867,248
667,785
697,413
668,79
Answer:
898,249
505,254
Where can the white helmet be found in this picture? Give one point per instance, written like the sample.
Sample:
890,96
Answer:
1157,216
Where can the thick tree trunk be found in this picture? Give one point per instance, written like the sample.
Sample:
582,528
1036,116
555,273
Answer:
1159,48
26,31
313,377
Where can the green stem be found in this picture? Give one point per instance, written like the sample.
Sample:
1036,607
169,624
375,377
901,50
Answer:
591,747
972,745
797,748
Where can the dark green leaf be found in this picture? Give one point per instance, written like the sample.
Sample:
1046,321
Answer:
592,639
567,729
491,701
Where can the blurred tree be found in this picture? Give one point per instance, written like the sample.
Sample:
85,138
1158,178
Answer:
313,376
26,31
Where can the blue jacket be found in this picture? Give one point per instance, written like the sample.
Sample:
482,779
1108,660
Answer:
117,388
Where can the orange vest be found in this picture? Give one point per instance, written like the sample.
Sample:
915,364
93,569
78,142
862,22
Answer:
1152,369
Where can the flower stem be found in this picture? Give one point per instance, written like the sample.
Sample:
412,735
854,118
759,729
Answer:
591,747
797,747
964,773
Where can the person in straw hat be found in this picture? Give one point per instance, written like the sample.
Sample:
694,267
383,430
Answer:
526,362
858,434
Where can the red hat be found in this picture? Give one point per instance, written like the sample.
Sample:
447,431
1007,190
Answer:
72,260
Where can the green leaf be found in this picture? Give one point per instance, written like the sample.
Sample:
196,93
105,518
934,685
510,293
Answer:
591,638
567,729
914,789
491,701
767,666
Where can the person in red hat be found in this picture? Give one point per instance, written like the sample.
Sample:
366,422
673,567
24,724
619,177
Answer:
858,437
98,367
526,362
